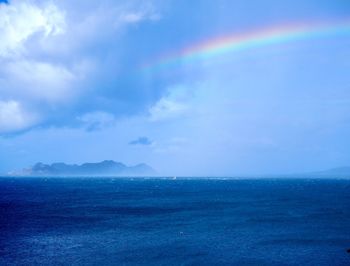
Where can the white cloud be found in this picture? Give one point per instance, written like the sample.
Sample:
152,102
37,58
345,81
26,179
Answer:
49,58
14,117
20,20
25,78
147,13
167,108
174,104
132,17
39,80
136,11
99,22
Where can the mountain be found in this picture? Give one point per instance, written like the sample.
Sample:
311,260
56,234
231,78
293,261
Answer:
104,168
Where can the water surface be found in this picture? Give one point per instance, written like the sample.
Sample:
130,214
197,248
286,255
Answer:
105,221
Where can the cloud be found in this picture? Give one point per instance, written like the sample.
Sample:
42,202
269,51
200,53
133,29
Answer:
25,79
141,141
62,59
145,11
97,120
166,108
14,117
38,80
172,105
20,20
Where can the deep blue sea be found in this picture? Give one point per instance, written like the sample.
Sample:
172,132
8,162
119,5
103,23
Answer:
106,221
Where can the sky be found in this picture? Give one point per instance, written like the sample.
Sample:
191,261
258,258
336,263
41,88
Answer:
192,88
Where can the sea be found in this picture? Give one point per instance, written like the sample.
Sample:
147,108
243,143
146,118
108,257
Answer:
141,221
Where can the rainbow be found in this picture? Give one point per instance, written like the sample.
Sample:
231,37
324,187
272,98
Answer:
240,42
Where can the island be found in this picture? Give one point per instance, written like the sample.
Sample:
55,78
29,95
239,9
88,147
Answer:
104,168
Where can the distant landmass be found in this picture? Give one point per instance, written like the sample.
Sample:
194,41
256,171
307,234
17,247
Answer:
104,168
339,171
112,168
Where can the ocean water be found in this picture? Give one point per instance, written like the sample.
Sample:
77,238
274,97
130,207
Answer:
105,221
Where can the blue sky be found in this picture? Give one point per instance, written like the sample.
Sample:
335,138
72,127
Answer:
72,90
